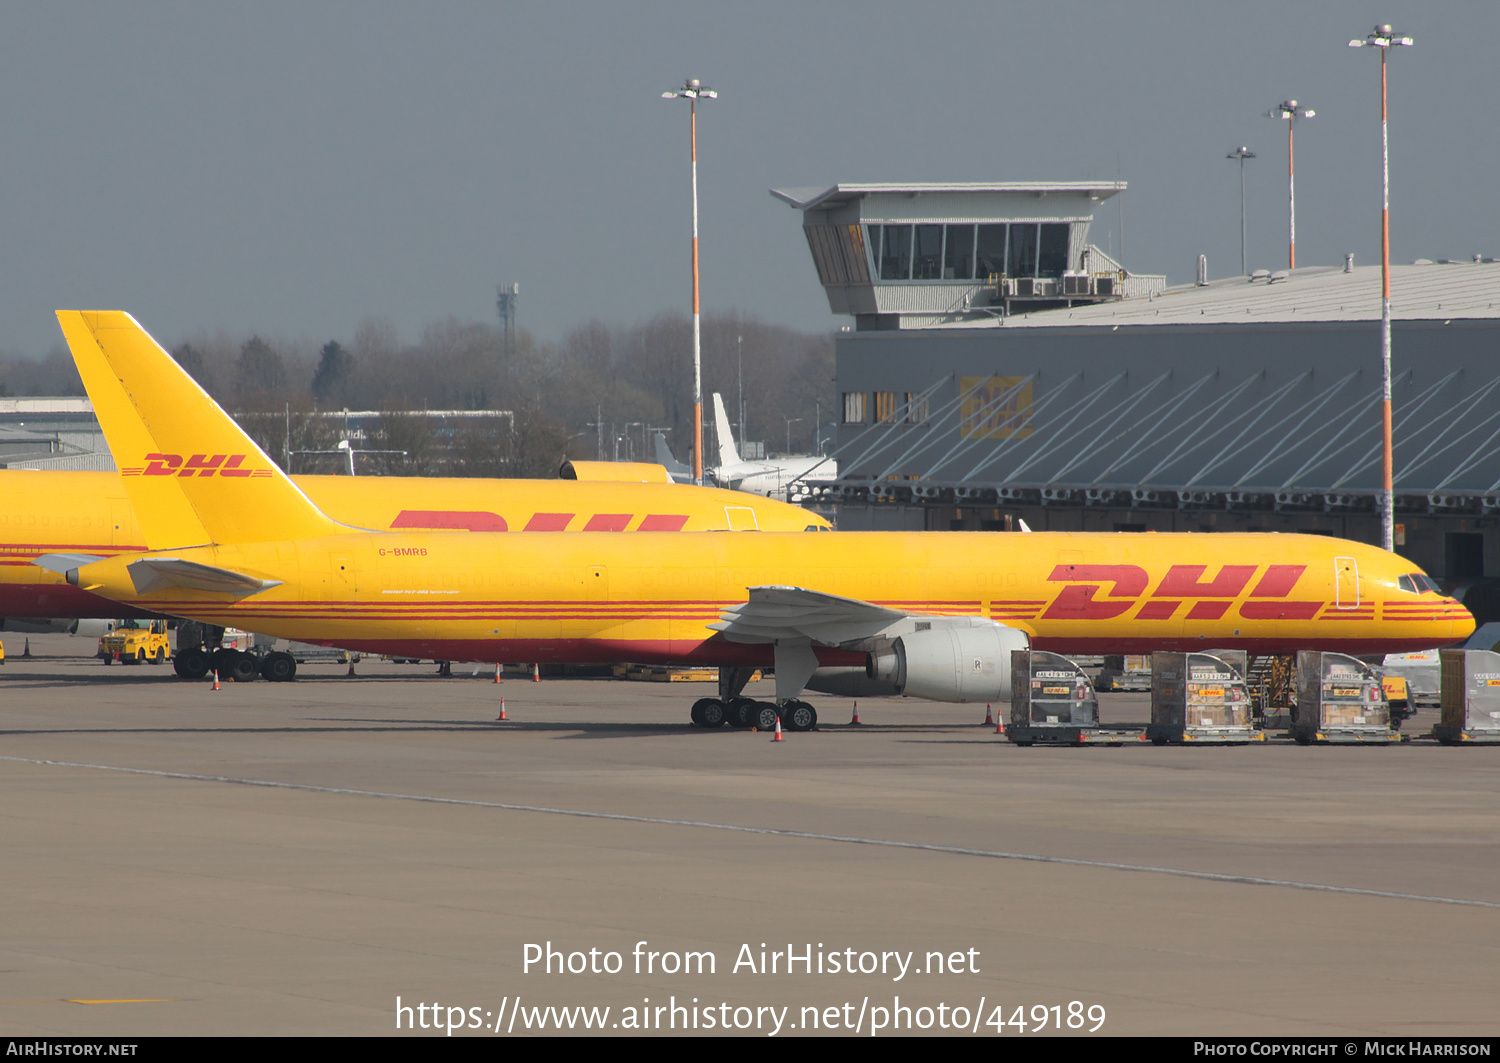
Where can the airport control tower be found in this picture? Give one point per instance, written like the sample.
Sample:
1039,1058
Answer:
906,256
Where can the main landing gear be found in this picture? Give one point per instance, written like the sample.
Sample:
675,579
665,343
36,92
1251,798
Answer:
740,712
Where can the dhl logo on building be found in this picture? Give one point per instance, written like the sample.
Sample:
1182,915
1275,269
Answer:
196,464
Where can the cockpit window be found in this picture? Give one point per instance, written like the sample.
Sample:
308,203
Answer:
1417,583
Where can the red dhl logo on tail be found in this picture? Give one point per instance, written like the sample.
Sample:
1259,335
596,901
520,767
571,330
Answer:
1129,582
196,464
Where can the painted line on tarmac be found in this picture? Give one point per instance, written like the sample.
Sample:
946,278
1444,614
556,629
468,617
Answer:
887,843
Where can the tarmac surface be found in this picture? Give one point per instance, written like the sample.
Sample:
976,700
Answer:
293,858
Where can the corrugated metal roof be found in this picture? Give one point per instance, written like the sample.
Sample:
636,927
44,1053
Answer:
823,198
100,462
1315,293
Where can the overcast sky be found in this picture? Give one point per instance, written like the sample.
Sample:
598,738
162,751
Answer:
295,168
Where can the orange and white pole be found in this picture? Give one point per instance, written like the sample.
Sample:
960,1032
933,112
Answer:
693,90
697,330
1385,39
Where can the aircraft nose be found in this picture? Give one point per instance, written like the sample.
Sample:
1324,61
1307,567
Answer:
1463,620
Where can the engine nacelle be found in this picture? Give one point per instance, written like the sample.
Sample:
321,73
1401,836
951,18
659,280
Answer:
955,658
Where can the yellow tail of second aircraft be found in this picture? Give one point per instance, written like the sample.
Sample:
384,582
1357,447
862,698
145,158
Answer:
194,477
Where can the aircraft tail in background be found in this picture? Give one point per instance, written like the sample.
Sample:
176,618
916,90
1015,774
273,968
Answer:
679,472
193,475
729,454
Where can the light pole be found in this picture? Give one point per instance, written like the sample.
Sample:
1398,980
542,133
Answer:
693,90
1291,110
1242,154
1384,39
789,422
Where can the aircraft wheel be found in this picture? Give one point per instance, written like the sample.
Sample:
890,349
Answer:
243,667
279,667
763,716
799,716
712,713
192,664
696,713
1302,740
739,711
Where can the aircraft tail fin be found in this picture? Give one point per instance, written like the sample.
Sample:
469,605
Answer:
193,476
679,472
728,453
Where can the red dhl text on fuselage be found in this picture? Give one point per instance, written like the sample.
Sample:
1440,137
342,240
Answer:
537,597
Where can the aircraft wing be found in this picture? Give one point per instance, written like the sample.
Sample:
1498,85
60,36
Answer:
778,613
151,573
61,563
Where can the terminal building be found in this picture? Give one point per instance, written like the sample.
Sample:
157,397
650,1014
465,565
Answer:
1001,369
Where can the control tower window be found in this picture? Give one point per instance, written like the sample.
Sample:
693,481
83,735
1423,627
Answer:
891,245
958,254
991,249
929,253
1023,248
1053,259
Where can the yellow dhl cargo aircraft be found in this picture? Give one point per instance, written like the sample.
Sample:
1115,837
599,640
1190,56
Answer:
932,615
91,513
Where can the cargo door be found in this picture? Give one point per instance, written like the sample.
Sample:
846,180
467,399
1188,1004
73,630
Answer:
1346,582
741,518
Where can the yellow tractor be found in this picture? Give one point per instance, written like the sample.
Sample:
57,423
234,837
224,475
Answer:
134,641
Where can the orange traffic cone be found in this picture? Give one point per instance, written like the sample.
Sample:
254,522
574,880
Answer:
27,651
855,721
497,671
502,715
216,679
989,715
536,673
351,668
777,737
1000,724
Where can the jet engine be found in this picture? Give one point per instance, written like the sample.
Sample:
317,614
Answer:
958,658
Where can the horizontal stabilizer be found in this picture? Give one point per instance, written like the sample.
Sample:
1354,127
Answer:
775,613
153,573
64,563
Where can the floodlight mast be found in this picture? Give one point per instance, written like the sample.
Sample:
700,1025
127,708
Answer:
1385,39
1242,154
1291,110
693,90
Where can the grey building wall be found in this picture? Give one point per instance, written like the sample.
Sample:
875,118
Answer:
1183,415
